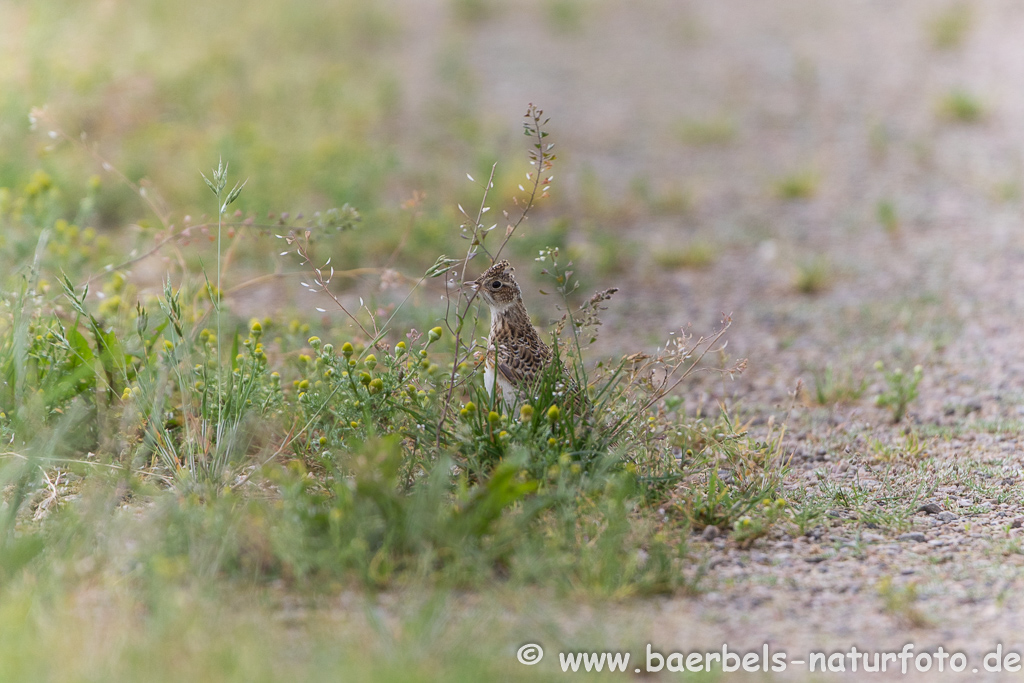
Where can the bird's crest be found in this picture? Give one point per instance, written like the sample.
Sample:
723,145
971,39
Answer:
497,269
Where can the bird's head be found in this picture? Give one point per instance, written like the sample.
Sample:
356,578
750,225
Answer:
498,286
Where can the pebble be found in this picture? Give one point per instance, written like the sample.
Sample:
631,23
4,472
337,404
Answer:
915,536
930,508
710,532
946,517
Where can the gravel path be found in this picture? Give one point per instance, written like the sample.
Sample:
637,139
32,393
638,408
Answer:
903,126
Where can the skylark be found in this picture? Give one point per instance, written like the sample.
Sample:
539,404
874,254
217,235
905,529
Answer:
516,356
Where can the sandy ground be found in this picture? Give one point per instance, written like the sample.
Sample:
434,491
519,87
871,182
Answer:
855,95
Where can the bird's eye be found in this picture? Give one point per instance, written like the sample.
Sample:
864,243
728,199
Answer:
496,284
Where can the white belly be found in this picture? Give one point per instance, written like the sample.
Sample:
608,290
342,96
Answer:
489,379
506,391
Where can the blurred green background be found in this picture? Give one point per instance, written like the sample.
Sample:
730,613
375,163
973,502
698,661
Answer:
726,157
318,105
842,178
321,104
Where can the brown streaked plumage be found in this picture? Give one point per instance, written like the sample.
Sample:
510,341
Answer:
516,355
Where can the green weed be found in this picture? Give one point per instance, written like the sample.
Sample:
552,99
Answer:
387,457
948,30
901,389
886,214
831,387
901,602
802,185
813,275
155,435
961,106
697,254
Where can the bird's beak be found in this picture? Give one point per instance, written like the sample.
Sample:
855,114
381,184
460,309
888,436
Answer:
473,285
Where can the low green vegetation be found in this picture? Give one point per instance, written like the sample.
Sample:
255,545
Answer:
155,440
949,28
813,275
801,185
888,217
832,386
960,106
696,254
900,390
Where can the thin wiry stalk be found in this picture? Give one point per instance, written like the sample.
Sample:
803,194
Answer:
541,159
217,186
475,241
216,300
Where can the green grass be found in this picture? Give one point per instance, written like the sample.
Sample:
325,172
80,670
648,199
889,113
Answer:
901,389
170,98
960,106
195,472
801,185
813,275
213,472
697,254
832,386
887,216
949,28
